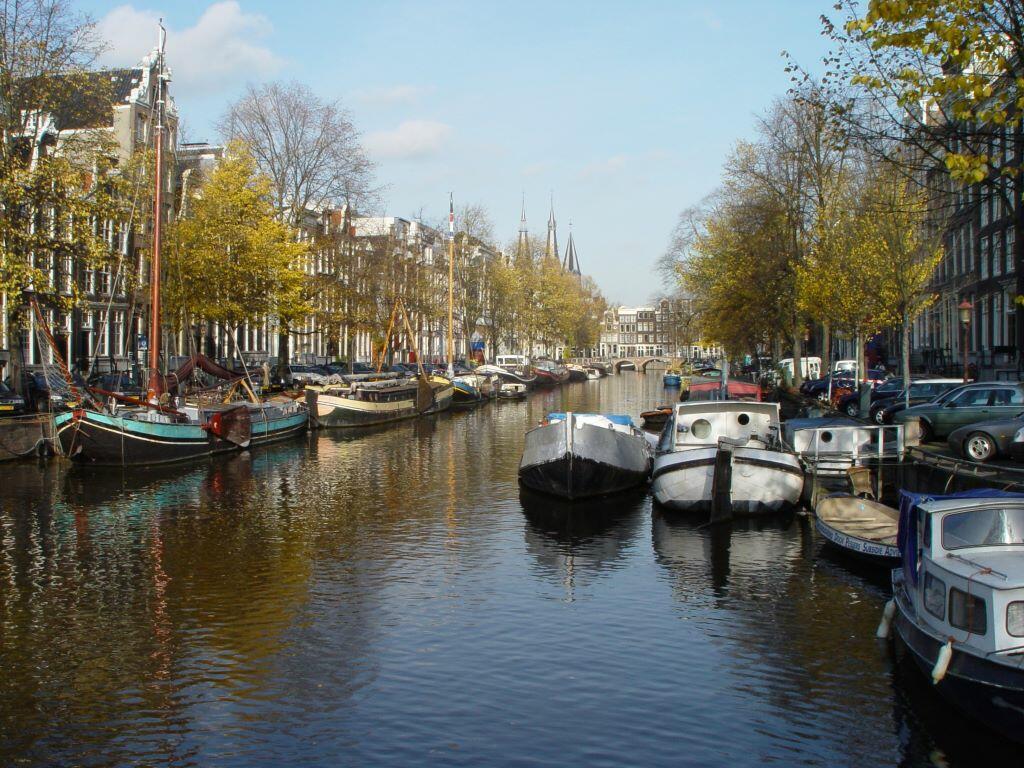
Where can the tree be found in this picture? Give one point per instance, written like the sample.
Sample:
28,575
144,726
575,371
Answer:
472,266
231,260
307,148
935,84
61,192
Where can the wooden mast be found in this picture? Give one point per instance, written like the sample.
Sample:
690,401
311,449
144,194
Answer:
451,279
155,381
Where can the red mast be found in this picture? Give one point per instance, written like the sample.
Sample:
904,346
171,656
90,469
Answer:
155,380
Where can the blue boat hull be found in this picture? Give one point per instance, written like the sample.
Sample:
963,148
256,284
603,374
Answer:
87,437
671,380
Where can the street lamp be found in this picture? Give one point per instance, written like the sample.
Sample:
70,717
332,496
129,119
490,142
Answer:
964,309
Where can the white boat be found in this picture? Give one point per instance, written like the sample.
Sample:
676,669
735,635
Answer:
593,374
577,455
725,457
862,527
829,448
958,602
512,390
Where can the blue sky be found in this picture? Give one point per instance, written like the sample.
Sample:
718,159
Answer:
623,111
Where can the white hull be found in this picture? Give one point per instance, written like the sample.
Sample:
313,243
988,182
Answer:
763,480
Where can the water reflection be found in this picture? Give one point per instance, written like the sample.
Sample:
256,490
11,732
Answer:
576,541
391,597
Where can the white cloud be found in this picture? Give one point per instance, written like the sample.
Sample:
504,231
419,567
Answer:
411,140
222,47
393,95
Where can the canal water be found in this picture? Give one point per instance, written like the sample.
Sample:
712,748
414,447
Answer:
390,598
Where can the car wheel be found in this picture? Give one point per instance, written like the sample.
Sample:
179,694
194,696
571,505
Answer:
980,446
879,416
852,409
927,433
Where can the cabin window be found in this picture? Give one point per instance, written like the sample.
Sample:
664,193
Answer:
701,429
934,595
967,612
743,419
983,528
1015,618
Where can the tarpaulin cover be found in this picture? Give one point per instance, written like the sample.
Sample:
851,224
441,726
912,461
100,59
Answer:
203,363
906,539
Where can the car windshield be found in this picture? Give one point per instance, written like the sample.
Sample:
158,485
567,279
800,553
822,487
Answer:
983,528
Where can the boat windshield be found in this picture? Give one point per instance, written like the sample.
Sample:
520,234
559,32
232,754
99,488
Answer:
983,528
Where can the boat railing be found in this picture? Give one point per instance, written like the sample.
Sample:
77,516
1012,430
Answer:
852,444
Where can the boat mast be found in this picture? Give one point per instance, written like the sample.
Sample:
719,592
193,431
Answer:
155,383
451,278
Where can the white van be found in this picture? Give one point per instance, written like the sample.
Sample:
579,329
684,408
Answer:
810,367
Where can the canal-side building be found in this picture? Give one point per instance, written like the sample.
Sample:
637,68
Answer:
102,332
656,330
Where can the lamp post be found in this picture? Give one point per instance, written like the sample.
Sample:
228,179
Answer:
964,310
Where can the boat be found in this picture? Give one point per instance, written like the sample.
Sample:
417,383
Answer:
549,374
958,601
627,365
576,372
579,455
511,373
472,388
594,374
725,457
512,391
655,419
672,379
831,448
705,388
859,526
380,401
164,427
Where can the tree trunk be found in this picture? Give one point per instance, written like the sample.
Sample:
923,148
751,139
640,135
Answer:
798,377
283,355
826,347
905,364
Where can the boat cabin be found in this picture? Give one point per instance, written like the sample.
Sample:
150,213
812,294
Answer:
383,391
831,447
701,424
963,568
517,364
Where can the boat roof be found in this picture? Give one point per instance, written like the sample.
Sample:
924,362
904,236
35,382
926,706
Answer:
726,406
963,501
988,565
614,418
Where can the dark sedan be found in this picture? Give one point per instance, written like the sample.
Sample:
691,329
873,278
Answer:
850,404
11,403
923,391
986,440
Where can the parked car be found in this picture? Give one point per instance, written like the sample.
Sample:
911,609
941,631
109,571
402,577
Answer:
921,391
11,403
970,404
987,440
345,369
850,403
842,380
123,383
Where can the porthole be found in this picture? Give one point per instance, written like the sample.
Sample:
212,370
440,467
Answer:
701,429
826,437
743,419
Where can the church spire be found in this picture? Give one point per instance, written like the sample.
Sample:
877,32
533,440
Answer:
523,246
571,263
551,249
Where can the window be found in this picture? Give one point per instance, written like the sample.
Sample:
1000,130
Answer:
983,257
997,253
1015,618
983,528
973,397
1010,266
934,595
967,612
1007,397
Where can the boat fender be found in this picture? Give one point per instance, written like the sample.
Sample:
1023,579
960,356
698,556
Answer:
942,662
885,625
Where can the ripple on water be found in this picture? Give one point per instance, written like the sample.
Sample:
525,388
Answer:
392,598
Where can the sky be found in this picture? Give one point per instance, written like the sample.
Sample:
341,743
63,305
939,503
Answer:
622,112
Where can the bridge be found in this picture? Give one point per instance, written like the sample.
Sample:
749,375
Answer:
639,363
